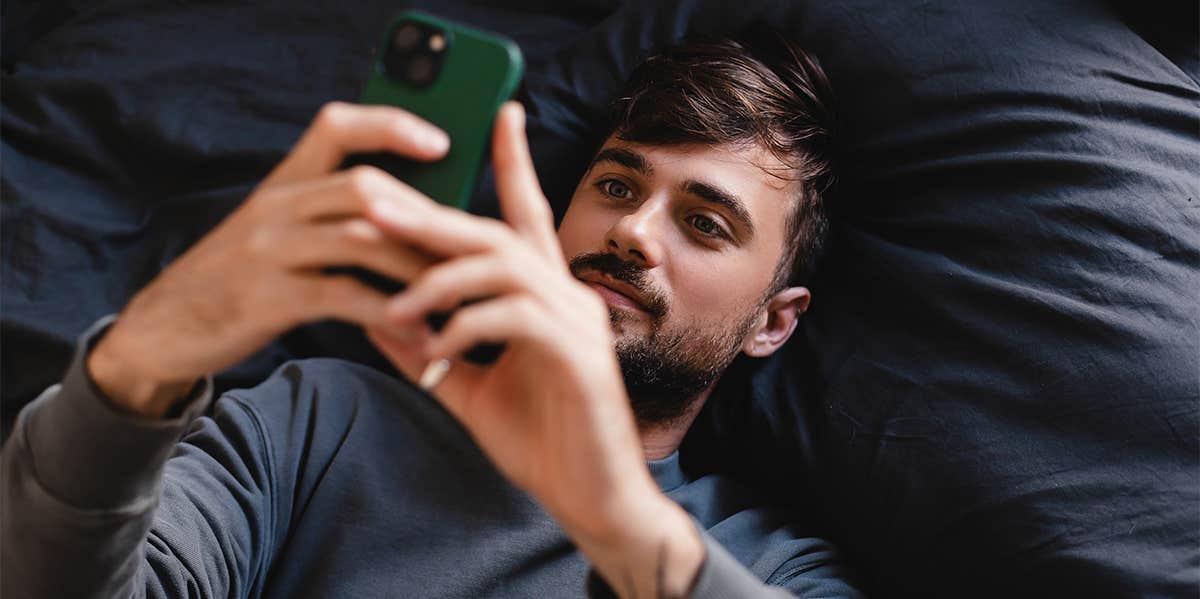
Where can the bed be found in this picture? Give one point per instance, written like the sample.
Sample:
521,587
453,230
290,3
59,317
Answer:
997,389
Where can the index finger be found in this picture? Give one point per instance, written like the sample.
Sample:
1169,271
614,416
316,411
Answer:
522,202
340,129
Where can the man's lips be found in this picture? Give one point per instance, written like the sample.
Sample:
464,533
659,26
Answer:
615,293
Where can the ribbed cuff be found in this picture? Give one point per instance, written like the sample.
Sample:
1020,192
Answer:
92,455
721,576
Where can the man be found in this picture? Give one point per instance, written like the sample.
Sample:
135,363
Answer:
687,239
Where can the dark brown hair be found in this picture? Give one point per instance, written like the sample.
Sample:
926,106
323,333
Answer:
771,93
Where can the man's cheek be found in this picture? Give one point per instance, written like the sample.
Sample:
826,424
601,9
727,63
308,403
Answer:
712,303
702,290
577,236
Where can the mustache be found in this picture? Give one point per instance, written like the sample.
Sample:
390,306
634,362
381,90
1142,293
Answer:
627,272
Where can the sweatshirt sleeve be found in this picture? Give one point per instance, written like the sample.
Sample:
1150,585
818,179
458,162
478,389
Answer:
722,576
84,513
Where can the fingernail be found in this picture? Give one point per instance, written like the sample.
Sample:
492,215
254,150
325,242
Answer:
518,112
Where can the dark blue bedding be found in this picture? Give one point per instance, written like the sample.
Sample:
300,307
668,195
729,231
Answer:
997,391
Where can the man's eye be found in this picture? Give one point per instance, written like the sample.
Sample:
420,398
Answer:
616,189
707,226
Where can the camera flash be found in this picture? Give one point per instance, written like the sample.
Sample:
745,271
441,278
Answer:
437,42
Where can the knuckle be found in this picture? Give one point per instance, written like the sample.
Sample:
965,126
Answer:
260,243
358,232
363,180
331,116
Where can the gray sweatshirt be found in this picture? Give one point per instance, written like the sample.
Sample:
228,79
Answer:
329,479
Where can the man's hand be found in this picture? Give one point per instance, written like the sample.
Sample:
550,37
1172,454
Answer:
551,413
259,273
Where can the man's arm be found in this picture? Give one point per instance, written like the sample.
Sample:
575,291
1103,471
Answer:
83,469
81,483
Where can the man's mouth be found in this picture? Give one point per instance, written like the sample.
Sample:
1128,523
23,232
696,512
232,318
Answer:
616,293
624,286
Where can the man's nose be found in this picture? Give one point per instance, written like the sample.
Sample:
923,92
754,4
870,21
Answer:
636,236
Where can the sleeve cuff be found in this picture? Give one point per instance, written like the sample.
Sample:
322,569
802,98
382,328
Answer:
721,576
90,454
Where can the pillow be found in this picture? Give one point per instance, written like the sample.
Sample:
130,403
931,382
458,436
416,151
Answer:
1007,325
996,388
132,128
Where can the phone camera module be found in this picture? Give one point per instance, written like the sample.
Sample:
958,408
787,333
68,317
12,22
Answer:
414,57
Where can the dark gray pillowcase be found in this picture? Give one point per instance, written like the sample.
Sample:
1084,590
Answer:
1007,327
996,390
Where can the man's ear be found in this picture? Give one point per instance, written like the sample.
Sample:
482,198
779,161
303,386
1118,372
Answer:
777,322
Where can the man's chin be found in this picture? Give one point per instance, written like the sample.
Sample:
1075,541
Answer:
623,321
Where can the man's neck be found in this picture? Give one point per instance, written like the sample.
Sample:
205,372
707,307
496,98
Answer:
661,439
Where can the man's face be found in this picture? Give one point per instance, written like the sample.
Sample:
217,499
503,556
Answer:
682,242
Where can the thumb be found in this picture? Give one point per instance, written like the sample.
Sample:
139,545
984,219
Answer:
522,203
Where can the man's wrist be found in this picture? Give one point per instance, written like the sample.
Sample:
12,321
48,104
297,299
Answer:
653,550
128,388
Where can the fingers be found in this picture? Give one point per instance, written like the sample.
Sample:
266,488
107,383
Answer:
440,230
343,297
522,203
346,194
447,285
448,232
503,320
340,129
407,354
350,242
404,351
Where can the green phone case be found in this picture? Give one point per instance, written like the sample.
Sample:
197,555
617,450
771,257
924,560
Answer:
479,72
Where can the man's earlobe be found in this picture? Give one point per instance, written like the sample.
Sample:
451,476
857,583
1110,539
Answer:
777,323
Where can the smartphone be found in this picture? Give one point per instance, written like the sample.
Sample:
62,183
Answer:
453,76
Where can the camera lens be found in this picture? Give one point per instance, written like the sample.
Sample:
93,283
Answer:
407,37
419,70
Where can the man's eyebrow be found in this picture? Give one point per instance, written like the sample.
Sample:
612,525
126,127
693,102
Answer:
626,158
715,195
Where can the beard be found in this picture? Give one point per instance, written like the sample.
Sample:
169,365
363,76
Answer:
666,370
